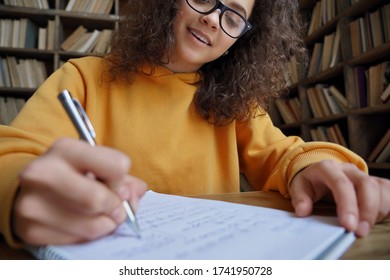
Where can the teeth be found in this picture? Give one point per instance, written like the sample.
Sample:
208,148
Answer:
200,37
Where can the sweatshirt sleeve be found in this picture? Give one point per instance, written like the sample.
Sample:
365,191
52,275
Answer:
41,121
270,160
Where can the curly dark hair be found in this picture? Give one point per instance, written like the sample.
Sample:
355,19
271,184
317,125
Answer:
233,86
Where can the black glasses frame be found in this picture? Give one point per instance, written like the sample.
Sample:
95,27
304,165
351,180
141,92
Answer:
219,5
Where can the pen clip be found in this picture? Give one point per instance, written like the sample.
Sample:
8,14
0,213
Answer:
84,117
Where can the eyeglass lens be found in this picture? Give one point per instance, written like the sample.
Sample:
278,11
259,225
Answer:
231,21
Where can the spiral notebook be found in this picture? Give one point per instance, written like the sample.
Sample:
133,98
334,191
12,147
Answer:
175,227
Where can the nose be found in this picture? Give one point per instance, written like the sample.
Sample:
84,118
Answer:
212,19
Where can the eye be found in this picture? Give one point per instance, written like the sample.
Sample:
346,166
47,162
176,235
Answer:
233,20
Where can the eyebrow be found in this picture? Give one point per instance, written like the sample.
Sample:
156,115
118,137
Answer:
237,7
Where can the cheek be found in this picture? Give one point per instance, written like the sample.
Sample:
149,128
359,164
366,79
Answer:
224,43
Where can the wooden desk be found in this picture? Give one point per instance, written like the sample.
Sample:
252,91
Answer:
374,246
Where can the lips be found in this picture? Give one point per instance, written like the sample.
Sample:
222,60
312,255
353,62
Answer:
201,37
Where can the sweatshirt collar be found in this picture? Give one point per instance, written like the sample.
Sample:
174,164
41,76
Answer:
161,71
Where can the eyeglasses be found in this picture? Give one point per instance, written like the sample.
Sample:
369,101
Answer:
231,22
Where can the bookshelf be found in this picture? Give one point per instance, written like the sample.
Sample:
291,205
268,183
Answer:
366,118
57,20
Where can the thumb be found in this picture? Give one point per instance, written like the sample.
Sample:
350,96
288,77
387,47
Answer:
302,197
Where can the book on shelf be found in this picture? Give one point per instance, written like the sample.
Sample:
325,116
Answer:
341,140
377,82
354,28
9,108
73,38
13,71
285,111
339,97
25,73
39,4
385,13
329,11
385,96
51,31
28,34
289,109
328,134
184,228
379,147
102,45
90,6
336,48
42,34
90,42
314,103
15,33
334,106
384,155
315,62
323,12
315,21
368,31
83,41
323,102
376,28
331,133
326,55
5,76
18,33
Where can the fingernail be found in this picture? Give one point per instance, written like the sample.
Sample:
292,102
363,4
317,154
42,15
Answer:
123,192
364,228
351,222
117,214
300,208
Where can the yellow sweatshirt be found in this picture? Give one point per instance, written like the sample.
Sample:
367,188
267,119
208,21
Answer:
154,121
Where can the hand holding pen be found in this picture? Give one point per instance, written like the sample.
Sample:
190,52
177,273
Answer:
57,203
86,132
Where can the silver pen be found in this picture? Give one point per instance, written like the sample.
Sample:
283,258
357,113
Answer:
86,132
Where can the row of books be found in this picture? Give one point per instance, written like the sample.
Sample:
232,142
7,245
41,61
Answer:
18,33
38,4
381,152
328,134
323,12
372,84
24,33
326,100
90,6
21,73
9,108
82,40
290,109
326,54
370,31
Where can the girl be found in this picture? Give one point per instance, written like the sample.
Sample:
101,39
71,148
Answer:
183,94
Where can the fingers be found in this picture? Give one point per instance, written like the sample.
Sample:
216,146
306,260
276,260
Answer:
52,223
107,164
302,196
368,197
136,189
74,192
361,199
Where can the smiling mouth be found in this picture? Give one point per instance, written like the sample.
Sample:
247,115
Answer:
200,37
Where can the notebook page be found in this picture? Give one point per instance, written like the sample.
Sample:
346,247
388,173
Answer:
174,227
